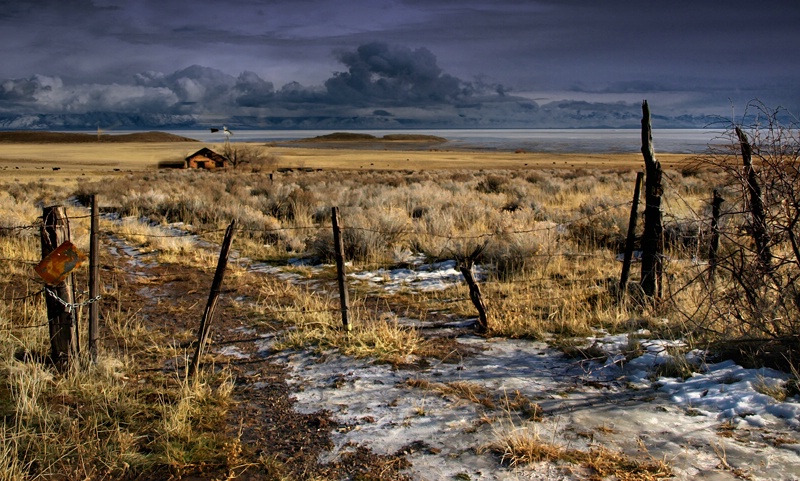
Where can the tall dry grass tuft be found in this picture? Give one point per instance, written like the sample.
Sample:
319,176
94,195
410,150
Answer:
96,421
316,325
521,445
99,421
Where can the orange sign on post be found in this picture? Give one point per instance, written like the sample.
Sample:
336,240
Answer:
58,264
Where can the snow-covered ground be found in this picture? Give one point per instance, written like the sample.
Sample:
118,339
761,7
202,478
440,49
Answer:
713,425
704,427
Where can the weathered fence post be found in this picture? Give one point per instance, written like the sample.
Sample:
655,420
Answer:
631,239
94,278
760,235
465,266
219,275
476,297
59,298
713,245
652,240
338,245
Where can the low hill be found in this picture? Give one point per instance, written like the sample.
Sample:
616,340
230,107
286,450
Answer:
357,137
41,137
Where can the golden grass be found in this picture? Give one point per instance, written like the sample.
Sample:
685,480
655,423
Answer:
775,390
381,337
104,420
552,234
169,246
472,392
522,446
550,261
478,394
36,161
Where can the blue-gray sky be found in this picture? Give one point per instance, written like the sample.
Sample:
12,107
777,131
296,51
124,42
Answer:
539,63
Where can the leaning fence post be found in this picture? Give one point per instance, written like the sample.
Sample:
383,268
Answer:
94,278
338,245
652,242
760,235
205,322
476,297
713,246
631,239
59,298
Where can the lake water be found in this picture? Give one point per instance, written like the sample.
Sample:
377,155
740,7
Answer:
530,140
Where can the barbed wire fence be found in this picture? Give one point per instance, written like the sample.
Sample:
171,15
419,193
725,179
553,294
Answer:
446,250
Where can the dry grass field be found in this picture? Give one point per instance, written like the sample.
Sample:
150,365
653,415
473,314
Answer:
547,229
35,161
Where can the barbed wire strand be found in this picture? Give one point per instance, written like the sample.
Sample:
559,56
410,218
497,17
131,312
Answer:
22,298
555,226
19,261
31,326
20,227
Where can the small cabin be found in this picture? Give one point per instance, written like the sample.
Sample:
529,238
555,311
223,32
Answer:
205,158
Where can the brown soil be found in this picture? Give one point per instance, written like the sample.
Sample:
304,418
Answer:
37,137
277,441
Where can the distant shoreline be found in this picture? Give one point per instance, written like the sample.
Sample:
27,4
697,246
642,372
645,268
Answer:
546,141
48,137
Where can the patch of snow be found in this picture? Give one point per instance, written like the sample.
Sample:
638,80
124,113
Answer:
584,404
422,278
728,390
247,331
264,345
233,351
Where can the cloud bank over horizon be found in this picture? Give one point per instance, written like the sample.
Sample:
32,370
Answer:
385,63
381,86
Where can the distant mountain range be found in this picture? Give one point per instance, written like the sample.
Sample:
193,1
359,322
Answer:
93,120
147,121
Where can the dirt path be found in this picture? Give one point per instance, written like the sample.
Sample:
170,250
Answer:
278,441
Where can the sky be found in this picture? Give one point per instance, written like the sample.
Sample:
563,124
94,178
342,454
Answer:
374,63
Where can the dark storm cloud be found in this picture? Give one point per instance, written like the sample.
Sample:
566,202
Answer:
20,90
471,59
377,72
41,94
253,91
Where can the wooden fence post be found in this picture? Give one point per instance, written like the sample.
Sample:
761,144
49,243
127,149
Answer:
59,298
760,235
631,239
713,246
338,245
475,296
652,238
219,275
94,278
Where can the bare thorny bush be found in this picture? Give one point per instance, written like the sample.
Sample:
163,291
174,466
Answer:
754,294
241,154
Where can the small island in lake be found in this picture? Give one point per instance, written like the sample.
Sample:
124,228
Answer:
364,141
359,137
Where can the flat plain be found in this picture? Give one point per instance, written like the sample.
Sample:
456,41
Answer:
66,161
